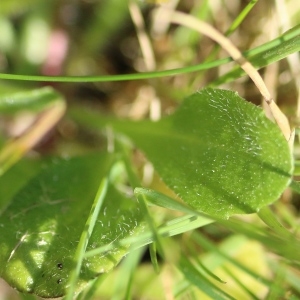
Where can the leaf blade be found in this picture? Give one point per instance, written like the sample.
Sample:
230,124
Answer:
219,153
41,227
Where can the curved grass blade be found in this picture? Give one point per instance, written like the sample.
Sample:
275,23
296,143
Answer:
85,236
261,60
293,32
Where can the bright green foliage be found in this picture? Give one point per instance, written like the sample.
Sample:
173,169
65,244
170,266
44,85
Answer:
9,186
260,56
62,232
259,60
44,99
220,154
30,100
41,227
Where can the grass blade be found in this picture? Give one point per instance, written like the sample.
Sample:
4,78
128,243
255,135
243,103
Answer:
207,245
124,279
153,256
171,228
268,218
261,60
162,200
147,75
91,289
197,279
241,284
84,239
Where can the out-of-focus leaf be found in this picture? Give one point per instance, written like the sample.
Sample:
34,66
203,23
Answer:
15,178
30,100
108,17
13,7
41,227
46,99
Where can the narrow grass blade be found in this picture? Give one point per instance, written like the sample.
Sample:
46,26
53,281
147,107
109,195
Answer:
274,292
124,279
285,246
240,18
200,266
162,200
91,288
261,60
157,238
293,279
207,245
153,256
147,75
241,284
292,276
208,272
134,181
234,25
201,282
171,228
84,239
269,218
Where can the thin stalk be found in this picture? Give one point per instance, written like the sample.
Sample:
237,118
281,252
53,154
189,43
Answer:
171,228
268,218
234,25
240,18
85,236
158,74
142,200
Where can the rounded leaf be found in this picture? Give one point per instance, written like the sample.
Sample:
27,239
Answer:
219,153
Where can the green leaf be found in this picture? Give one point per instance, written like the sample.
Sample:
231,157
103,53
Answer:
9,186
46,99
261,56
10,7
41,227
171,228
30,100
219,153
85,236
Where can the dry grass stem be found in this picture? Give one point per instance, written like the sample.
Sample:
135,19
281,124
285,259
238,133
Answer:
142,36
227,45
15,149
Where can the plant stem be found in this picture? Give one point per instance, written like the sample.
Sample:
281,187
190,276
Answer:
85,236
